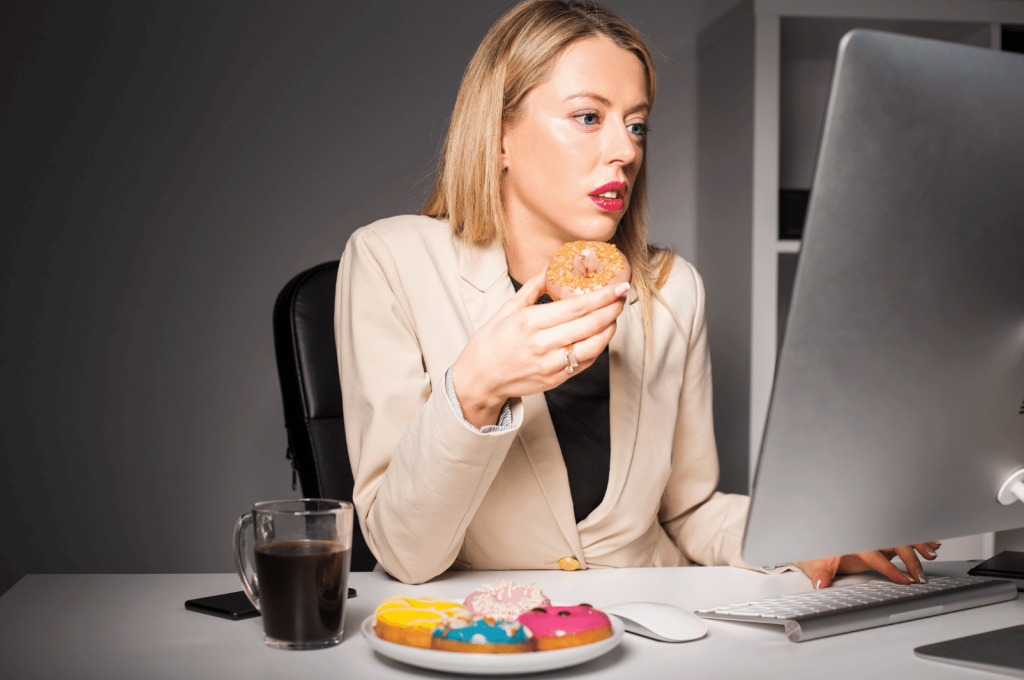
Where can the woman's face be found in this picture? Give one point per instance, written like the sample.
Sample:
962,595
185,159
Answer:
572,158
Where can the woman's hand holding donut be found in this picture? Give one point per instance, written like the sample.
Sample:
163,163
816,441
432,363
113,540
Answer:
521,349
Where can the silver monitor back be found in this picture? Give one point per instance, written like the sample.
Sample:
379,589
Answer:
898,403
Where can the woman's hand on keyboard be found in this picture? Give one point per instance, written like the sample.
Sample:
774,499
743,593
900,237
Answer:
823,571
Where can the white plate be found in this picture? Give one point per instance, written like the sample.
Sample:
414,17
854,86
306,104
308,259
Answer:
492,664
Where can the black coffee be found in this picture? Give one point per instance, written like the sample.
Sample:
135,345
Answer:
303,586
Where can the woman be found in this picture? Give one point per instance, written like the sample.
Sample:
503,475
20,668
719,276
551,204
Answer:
474,441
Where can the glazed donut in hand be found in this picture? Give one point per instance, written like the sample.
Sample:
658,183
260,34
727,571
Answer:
582,266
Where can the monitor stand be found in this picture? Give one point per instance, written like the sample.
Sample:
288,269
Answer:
998,651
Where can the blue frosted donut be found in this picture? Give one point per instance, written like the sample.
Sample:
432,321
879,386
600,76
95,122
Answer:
482,636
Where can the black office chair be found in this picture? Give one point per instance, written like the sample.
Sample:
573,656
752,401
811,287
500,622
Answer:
307,364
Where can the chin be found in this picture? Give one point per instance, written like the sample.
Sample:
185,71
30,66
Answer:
601,229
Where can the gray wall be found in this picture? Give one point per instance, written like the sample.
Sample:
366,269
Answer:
168,166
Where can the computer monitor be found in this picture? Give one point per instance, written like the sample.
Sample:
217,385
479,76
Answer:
897,411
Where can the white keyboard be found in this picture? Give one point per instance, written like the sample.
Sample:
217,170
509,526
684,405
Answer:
843,609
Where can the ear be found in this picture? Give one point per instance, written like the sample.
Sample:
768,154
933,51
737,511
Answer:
505,146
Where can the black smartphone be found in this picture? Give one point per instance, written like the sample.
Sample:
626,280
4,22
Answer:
235,606
1007,564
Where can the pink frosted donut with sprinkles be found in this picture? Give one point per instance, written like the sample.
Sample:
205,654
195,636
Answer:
504,600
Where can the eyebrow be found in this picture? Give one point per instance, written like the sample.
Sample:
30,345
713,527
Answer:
603,100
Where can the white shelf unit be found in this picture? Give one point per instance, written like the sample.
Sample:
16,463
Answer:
763,75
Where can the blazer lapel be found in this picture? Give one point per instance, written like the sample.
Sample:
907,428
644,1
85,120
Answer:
540,442
486,272
626,376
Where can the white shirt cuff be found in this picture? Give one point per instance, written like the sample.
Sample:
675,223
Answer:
504,418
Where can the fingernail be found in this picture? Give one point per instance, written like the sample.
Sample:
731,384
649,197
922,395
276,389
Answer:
929,553
910,579
920,576
817,584
622,289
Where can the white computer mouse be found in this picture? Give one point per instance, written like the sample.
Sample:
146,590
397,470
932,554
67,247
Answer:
660,621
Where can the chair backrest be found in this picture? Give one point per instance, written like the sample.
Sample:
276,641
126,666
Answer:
307,363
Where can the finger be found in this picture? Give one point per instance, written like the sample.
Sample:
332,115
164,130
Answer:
879,563
926,550
526,297
589,349
911,562
821,572
586,354
562,311
579,330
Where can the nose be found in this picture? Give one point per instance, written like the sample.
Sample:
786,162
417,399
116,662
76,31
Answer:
621,147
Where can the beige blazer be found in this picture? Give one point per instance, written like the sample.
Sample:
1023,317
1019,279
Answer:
432,493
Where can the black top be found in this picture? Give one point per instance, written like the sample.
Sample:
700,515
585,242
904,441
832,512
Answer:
580,413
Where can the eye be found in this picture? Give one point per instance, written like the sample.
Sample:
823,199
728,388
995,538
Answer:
588,119
638,129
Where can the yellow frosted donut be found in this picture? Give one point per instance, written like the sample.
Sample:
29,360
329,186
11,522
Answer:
410,620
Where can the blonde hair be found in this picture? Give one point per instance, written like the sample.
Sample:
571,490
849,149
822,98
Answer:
516,55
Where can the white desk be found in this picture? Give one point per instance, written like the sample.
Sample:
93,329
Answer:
136,626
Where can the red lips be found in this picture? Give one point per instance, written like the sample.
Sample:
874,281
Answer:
610,204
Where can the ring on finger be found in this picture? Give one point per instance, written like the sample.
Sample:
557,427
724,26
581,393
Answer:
570,358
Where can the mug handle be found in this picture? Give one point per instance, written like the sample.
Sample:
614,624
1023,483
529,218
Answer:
243,559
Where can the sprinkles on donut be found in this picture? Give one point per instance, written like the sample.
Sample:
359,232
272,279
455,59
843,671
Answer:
583,266
482,636
560,627
505,600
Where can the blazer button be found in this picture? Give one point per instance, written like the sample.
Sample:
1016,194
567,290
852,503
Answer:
569,564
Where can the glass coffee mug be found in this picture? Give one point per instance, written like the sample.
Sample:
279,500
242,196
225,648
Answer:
302,552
